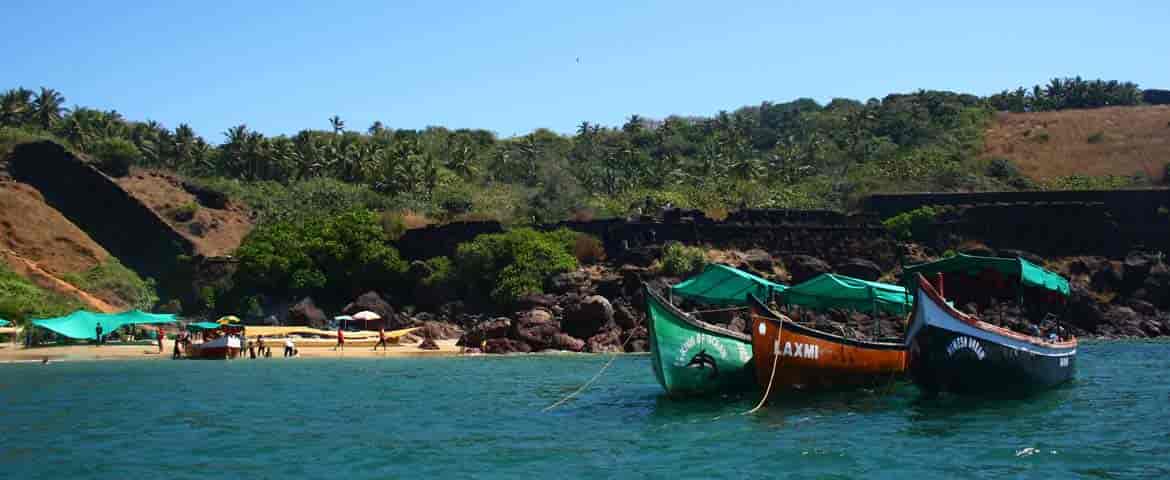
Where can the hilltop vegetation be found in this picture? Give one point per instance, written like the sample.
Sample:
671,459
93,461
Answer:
799,154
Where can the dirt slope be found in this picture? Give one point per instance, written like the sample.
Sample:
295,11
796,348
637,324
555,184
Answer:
215,232
40,244
37,232
1104,141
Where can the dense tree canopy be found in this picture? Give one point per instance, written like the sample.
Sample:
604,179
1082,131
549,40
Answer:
798,154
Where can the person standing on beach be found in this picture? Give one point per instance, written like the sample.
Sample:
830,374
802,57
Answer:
340,339
161,336
98,330
290,348
381,339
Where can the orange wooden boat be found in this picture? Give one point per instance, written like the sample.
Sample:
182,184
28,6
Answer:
790,356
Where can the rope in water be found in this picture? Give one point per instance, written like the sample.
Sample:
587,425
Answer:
591,380
772,378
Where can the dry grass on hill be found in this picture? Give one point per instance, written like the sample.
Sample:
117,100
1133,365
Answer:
214,232
1106,141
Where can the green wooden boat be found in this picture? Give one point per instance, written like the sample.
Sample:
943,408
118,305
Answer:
692,357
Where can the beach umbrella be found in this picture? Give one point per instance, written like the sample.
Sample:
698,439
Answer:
228,319
366,316
343,318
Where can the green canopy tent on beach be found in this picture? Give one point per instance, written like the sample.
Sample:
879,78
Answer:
1029,273
82,325
723,285
198,326
4,323
829,290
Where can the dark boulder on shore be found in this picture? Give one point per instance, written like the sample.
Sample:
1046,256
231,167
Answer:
373,302
859,268
535,327
804,267
428,344
485,330
536,300
584,318
305,313
506,345
439,330
564,341
626,316
609,341
637,340
759,260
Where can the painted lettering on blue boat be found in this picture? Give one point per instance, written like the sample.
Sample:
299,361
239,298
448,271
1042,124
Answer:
797,350
968,343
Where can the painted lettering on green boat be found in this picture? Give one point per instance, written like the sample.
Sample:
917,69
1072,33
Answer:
686,351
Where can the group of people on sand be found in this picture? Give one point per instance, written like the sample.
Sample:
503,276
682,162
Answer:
382,341
259,348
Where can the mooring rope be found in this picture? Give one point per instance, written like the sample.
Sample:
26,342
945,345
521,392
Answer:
772,378
591,380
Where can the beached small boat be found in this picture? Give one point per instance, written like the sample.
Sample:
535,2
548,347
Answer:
692,357
951,351
222,348
221,341
791,356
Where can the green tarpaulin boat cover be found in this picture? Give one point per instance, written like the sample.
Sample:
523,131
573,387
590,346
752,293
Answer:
195,326
1029,273
723,285
828,290
83,325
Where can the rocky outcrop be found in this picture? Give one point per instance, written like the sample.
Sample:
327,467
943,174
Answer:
305,313
428,344
506,345
804,267
371,301
486,330
859,268
586,317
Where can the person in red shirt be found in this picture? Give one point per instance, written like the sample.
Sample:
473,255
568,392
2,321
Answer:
340,339
381,338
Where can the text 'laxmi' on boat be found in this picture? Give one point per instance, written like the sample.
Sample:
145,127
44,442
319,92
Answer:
800,353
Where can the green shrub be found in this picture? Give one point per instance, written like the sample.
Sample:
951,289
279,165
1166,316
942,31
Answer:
442,273
115,279
1098,137
1002,168
681,260
331,258
116,155
185,213
514,263
21,300
915,223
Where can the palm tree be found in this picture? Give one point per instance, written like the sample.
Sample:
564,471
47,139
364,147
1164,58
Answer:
15,106
47,107
337,123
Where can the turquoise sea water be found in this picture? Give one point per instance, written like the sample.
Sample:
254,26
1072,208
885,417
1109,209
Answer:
481,418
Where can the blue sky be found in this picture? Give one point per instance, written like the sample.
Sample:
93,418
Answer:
512,67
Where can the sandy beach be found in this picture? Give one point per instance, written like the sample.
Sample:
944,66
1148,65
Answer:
307,348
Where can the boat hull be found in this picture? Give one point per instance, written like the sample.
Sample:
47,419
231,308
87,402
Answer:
693,358
952,352
219,349
811,360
